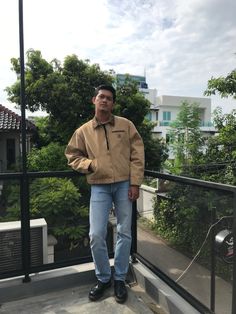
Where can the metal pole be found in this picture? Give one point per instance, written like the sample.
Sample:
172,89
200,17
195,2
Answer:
213,260
25,217
234,259
134,232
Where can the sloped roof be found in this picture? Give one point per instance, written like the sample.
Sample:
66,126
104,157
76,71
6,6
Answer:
10,121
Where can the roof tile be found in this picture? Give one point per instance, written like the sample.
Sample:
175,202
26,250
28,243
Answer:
9,120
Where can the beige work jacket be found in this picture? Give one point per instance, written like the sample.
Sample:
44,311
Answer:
107,153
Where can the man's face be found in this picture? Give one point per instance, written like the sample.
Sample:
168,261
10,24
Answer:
103,101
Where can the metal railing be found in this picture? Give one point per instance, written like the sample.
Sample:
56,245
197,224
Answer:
209,186
28,269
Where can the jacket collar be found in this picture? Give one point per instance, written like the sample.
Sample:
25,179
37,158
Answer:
96,123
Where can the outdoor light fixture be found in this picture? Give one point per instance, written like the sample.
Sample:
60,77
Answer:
224,244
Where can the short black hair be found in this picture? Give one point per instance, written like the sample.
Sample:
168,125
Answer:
106,87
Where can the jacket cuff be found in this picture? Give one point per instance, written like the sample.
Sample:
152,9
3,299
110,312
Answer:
135,181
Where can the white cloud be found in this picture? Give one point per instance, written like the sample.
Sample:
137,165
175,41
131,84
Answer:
180,44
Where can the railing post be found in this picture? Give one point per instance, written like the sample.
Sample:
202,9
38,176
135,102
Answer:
25,227
25,217
213,260
234,258
134,232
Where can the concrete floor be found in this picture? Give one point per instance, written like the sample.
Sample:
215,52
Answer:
75,300
65,291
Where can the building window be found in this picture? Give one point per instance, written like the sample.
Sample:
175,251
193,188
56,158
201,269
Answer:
11,152
156,115
166,115
143,85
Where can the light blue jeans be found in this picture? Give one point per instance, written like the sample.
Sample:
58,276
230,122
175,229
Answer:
103,196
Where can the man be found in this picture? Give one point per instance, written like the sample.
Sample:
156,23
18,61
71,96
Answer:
109,150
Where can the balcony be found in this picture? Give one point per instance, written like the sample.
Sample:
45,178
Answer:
182,268
205,126
165,123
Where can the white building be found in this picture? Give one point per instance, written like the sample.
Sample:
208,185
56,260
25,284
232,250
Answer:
165,108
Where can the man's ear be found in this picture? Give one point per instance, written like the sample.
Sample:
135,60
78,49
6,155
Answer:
93,100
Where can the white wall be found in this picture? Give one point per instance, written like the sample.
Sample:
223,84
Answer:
172,103
145,201
150,94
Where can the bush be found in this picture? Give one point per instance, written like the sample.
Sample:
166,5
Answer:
48,158
183,217
58,202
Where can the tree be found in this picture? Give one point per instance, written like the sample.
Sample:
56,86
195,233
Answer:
225,86
46,132
221,149
156,151
130,103
65,92
185,136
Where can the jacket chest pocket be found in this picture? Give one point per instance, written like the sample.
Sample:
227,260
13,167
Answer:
119,137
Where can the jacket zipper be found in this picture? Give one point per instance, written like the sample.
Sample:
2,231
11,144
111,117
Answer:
105,130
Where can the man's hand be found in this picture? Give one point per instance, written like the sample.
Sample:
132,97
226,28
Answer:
133,192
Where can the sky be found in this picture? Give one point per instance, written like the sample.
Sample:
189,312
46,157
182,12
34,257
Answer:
179,45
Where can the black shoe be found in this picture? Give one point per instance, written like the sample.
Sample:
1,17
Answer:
97,291
120,291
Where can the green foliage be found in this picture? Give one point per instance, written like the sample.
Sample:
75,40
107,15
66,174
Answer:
186,141
183,216
225,86
58,201
130,103
155,149
10,199
64,91
221,149
48,158
46,132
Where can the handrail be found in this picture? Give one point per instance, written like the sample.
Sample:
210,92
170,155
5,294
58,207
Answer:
151,173
39,174
192,181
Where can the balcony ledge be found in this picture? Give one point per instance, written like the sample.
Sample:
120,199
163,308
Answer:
67,289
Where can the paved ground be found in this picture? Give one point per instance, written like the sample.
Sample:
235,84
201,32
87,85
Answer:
197,279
